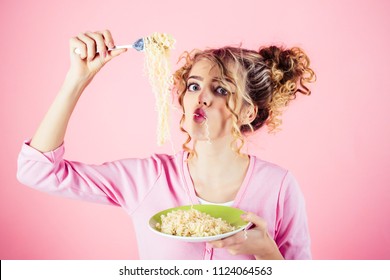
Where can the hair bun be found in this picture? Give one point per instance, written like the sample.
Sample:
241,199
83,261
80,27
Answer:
281,61
270,53
290,71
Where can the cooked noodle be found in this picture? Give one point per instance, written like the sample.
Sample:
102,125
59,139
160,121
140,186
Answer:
192,223
157,49
207,131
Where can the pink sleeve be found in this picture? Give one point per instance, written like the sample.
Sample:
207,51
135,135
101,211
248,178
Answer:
122,183
292,233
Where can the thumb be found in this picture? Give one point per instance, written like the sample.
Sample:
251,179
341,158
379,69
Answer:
115,53
101,60
256,220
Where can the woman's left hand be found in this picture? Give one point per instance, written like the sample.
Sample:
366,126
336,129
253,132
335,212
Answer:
255,241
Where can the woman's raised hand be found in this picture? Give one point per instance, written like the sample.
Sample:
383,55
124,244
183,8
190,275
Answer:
92,54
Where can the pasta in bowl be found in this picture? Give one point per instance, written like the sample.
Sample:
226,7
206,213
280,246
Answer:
198,223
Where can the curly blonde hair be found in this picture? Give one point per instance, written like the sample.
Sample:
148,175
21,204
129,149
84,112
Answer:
266,80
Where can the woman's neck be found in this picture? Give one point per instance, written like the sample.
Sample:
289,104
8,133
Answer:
215,155
217,171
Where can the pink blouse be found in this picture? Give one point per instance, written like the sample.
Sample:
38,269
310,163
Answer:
143,187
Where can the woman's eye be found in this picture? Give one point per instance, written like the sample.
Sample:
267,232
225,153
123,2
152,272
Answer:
193,87
221,91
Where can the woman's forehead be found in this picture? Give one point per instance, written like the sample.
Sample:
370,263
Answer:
204,67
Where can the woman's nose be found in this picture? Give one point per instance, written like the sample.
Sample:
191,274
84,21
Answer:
204,98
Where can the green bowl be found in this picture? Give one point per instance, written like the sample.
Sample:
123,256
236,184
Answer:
229,214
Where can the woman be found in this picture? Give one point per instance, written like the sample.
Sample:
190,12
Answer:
225,94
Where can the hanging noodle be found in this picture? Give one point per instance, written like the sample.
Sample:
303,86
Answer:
157,64
207,131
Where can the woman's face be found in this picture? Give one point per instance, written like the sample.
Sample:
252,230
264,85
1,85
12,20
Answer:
204,102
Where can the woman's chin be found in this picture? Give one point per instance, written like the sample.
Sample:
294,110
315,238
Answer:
200,138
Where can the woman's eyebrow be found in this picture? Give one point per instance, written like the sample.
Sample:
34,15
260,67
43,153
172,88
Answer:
196,78
220,80
216,79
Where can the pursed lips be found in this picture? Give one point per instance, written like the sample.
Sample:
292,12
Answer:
199,115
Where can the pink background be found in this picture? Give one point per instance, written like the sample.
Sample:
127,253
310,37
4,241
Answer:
336,141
